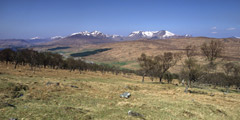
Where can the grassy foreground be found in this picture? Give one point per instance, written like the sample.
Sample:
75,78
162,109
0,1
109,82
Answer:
59,94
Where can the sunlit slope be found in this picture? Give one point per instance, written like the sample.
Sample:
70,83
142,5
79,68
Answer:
60,94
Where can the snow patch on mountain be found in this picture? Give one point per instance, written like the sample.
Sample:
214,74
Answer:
34,38
86,33
56,37
95,33
151,34
114,36
187,35
237,37
81,33
168,34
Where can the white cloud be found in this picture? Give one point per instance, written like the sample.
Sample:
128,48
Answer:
214,32
231,28
214,28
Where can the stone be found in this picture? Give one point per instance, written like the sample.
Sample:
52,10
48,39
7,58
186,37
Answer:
183,82
17,94
10,105
49,83
126,87
212,94
186,89
135,114
125,95
13,119
74,86
57,83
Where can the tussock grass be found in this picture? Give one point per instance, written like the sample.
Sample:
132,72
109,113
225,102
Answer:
50,95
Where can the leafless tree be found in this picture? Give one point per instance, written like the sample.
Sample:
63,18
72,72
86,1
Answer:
162,63
146,64
212,50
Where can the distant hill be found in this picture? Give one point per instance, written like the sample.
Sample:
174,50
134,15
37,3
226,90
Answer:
15,43
9,43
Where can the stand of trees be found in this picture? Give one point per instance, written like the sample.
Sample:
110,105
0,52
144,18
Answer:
213,71
158,66
53,60
221,73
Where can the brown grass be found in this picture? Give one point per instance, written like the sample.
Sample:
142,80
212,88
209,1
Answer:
50,96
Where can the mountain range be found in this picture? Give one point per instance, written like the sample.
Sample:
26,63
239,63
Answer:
94,37
85,37
135,35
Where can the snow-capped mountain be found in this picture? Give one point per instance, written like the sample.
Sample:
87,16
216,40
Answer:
81,38
236,37
151,34
88,34
187,35
116,37
97,37
135,35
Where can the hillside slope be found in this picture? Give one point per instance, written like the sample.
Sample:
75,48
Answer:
129,51
60,94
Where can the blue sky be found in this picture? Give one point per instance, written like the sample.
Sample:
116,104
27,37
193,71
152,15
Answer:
47,18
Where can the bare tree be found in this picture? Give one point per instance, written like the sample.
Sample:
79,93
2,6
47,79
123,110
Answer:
162,63
193,70
212,50
146,64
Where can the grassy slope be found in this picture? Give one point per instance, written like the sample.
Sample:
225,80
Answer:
97,97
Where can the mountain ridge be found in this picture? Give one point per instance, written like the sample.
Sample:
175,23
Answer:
94,37
135,35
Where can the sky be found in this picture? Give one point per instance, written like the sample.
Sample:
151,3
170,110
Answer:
25,19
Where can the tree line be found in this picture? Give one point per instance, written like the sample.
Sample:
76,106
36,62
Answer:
37,59
212,70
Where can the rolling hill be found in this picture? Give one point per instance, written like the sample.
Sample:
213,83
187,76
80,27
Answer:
125,53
